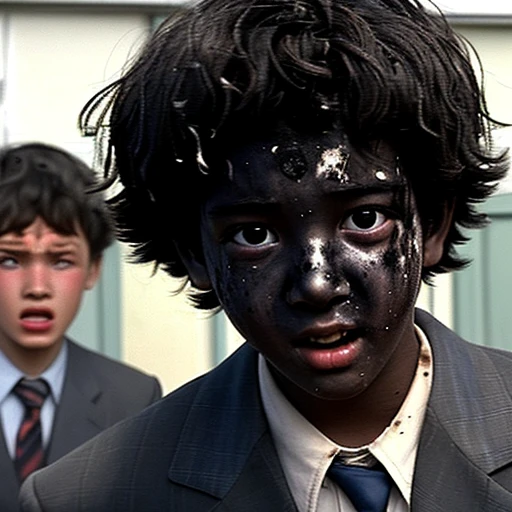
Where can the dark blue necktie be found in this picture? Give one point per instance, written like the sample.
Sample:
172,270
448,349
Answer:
367,488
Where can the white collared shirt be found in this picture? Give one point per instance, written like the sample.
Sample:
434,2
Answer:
306,454
11,408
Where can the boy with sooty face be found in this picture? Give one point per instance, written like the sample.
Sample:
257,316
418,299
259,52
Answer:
52,236
329,152
320,274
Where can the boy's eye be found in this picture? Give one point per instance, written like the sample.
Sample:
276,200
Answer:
8,262
365,220
254,236
62,264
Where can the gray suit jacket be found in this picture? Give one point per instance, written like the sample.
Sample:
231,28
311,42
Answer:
97,393
207,446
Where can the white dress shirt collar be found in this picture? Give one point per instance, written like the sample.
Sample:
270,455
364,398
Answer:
306,454
54,374
12,410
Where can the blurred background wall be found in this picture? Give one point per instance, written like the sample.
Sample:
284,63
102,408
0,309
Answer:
54,55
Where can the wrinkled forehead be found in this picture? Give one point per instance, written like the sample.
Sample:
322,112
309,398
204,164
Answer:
328,156
40,234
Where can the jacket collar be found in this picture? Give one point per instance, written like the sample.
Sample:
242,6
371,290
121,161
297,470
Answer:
224,424
476,413
225,444
80,415
466,434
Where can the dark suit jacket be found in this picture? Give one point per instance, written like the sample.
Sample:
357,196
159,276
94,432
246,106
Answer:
207,446
97,393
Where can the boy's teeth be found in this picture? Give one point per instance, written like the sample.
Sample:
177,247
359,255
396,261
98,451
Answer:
36,317
329,339
33,318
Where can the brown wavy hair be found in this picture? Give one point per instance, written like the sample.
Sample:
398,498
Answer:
39,180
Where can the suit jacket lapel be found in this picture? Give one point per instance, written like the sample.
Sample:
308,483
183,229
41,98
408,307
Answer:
446,479
271,490
225,445
78,417
466,434
9,486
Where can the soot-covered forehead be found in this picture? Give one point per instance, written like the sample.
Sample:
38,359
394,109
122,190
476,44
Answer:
328,155
335,162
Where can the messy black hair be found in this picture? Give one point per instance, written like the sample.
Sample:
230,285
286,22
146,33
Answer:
381,69
39,180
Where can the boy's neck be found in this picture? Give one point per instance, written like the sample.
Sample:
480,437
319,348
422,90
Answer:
33,362
353,423
360,420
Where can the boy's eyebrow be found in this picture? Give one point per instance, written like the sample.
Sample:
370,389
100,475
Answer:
244,207
64,244
19,246
383,187
266,206
12,244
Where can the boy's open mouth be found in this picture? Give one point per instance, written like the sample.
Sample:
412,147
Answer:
332,338
335,339
36,315
37,320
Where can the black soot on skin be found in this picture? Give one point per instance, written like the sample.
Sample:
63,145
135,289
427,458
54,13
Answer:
392,255
291,162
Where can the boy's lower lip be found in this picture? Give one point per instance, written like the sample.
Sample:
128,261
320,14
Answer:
36,325
325,358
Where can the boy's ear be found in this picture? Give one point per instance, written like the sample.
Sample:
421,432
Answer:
433,245
94,273
196,267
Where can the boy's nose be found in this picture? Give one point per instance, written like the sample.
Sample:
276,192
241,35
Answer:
318,290
37,282
318,283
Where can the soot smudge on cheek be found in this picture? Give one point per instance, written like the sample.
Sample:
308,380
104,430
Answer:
391,258
395,256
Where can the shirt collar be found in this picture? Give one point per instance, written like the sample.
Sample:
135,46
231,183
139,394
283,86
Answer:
396,447
306,454
54,374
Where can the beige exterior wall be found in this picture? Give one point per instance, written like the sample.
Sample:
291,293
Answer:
494,45
162,333
55,61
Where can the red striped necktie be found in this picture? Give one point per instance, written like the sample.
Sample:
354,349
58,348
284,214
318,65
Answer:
29,446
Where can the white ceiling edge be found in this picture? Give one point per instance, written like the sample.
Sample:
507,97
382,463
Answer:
449,7
473,7
144,3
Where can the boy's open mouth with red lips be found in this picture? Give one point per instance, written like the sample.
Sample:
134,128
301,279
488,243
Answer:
330,347
36,319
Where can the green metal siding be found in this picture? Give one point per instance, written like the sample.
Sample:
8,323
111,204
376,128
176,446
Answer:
482,311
